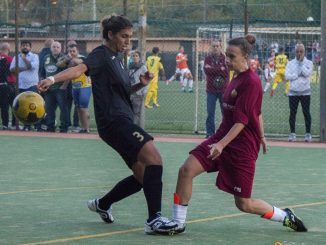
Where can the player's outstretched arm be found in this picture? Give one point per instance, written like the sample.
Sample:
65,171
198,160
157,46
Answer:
68,74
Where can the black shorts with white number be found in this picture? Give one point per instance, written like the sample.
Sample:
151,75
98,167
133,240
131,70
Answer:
126,138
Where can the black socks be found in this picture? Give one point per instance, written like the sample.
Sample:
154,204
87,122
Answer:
121,190
152,185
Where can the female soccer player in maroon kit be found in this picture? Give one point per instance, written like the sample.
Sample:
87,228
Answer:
233,149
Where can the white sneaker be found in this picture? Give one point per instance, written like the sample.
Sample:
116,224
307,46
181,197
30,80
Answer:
106,215
160,225
307,137
292,137
75,129
180,228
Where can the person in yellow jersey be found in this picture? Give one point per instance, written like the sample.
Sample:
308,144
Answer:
281,61
154,67
81,89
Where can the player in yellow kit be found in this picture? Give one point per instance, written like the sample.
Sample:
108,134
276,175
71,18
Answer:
281,61
154,66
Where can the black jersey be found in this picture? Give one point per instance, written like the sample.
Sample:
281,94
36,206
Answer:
111,86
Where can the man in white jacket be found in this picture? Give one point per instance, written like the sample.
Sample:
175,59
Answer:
299,71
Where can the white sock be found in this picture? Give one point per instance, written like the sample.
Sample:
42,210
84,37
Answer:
267,85
277,215
185,82
172,78
179,213
190,84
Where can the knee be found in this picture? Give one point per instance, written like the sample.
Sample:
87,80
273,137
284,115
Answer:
149,155
244,205
185,172
156,158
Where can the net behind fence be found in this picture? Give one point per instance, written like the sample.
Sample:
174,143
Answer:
183,99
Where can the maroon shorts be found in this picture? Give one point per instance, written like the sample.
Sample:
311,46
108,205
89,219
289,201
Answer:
235,175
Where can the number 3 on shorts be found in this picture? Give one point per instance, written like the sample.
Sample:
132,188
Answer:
138,136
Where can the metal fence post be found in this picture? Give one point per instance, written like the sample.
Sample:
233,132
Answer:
323,74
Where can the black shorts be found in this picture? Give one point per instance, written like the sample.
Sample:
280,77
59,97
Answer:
126,138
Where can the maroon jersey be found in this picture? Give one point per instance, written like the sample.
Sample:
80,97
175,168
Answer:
236,165
242,102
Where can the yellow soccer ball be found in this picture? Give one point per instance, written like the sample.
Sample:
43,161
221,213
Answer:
29,107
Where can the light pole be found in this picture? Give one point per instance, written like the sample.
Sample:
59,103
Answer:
7,17
94,16
246,18
323,75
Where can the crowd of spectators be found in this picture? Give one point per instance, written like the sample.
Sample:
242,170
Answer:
32,68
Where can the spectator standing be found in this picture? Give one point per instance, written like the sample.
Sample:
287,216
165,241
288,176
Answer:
217,78
136,68
81,89
44,52
4,98
56,95
28,67
299,71
75,118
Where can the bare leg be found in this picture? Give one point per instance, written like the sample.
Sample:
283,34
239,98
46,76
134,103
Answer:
253,206
84,117
190,169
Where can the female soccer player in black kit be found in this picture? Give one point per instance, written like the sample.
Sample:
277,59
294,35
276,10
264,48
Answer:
114,119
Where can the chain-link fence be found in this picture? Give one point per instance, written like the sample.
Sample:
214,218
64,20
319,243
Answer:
269,63
192,25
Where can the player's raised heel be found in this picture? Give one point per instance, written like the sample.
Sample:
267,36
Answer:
160,225
294,222
106,215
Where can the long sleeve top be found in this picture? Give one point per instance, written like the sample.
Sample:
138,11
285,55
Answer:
299,73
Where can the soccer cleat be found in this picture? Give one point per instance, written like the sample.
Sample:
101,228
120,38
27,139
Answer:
307,137
106,215
294,222
160,225
156,105
292,137
148,106
180,228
